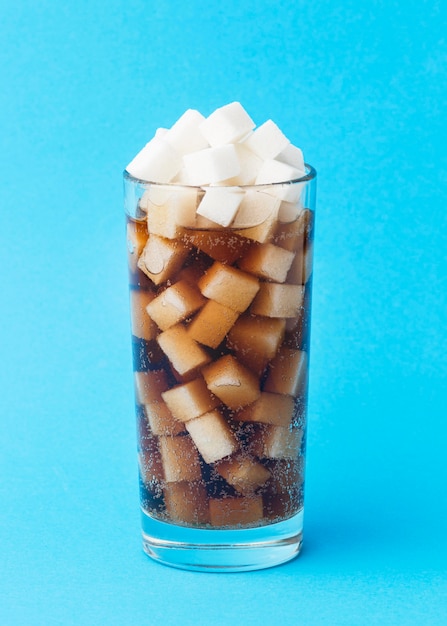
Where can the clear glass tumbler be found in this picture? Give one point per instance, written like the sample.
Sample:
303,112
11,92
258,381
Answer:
220,318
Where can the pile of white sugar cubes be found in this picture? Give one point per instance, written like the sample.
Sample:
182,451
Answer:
224,154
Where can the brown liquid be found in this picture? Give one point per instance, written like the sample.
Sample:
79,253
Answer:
220,357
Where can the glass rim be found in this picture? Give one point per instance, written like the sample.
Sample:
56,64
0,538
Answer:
311,174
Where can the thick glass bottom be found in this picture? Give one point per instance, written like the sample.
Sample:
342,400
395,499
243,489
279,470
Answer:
222,550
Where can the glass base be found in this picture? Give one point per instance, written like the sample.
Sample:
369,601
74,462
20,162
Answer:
222,550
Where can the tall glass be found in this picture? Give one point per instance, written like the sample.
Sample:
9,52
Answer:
220,320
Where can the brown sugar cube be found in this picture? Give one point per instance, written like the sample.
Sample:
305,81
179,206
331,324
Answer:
136,240
229,286
230,381
236,511
174,304
243,472
212,436
212,323
179,458
221,245
169,209
161,258
149,386
190,400
287,372
276,442
267,261
278,300
184,354
142,325
160,419
269,408
255,340
186,502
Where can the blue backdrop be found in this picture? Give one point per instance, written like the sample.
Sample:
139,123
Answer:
361,87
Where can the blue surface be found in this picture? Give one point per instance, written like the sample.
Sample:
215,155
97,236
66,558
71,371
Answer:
361,87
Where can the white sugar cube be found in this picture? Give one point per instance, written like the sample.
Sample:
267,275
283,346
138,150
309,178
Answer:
227,124
211,165
274,171
220,204
184,136
292,156
250,165
267,141
157,162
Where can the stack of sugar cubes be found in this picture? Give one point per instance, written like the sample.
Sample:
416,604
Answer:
223,153
220,263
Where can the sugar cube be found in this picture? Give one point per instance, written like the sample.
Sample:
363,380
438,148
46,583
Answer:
269,408
267,141
230,381
278,300
212,436
287,372
211,165
186,502
174,304
227,124
243,472
212,323
220,204
267,261
184,136
229,286
157,162
190,400
184,354
161,258
179,458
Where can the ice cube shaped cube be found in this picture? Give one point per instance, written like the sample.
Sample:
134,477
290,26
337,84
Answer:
161,420
230,381
180,459
149,386
278,300
229,286
211,165
227,124
267,140
212,436
255,340
174,304
220,204
269,408
276,442
190,400
142,325
212,323
157,162
161,258
243,472
185,136
186,502
267,261
183,352
287,372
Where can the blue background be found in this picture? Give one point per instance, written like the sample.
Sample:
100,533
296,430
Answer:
361,87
